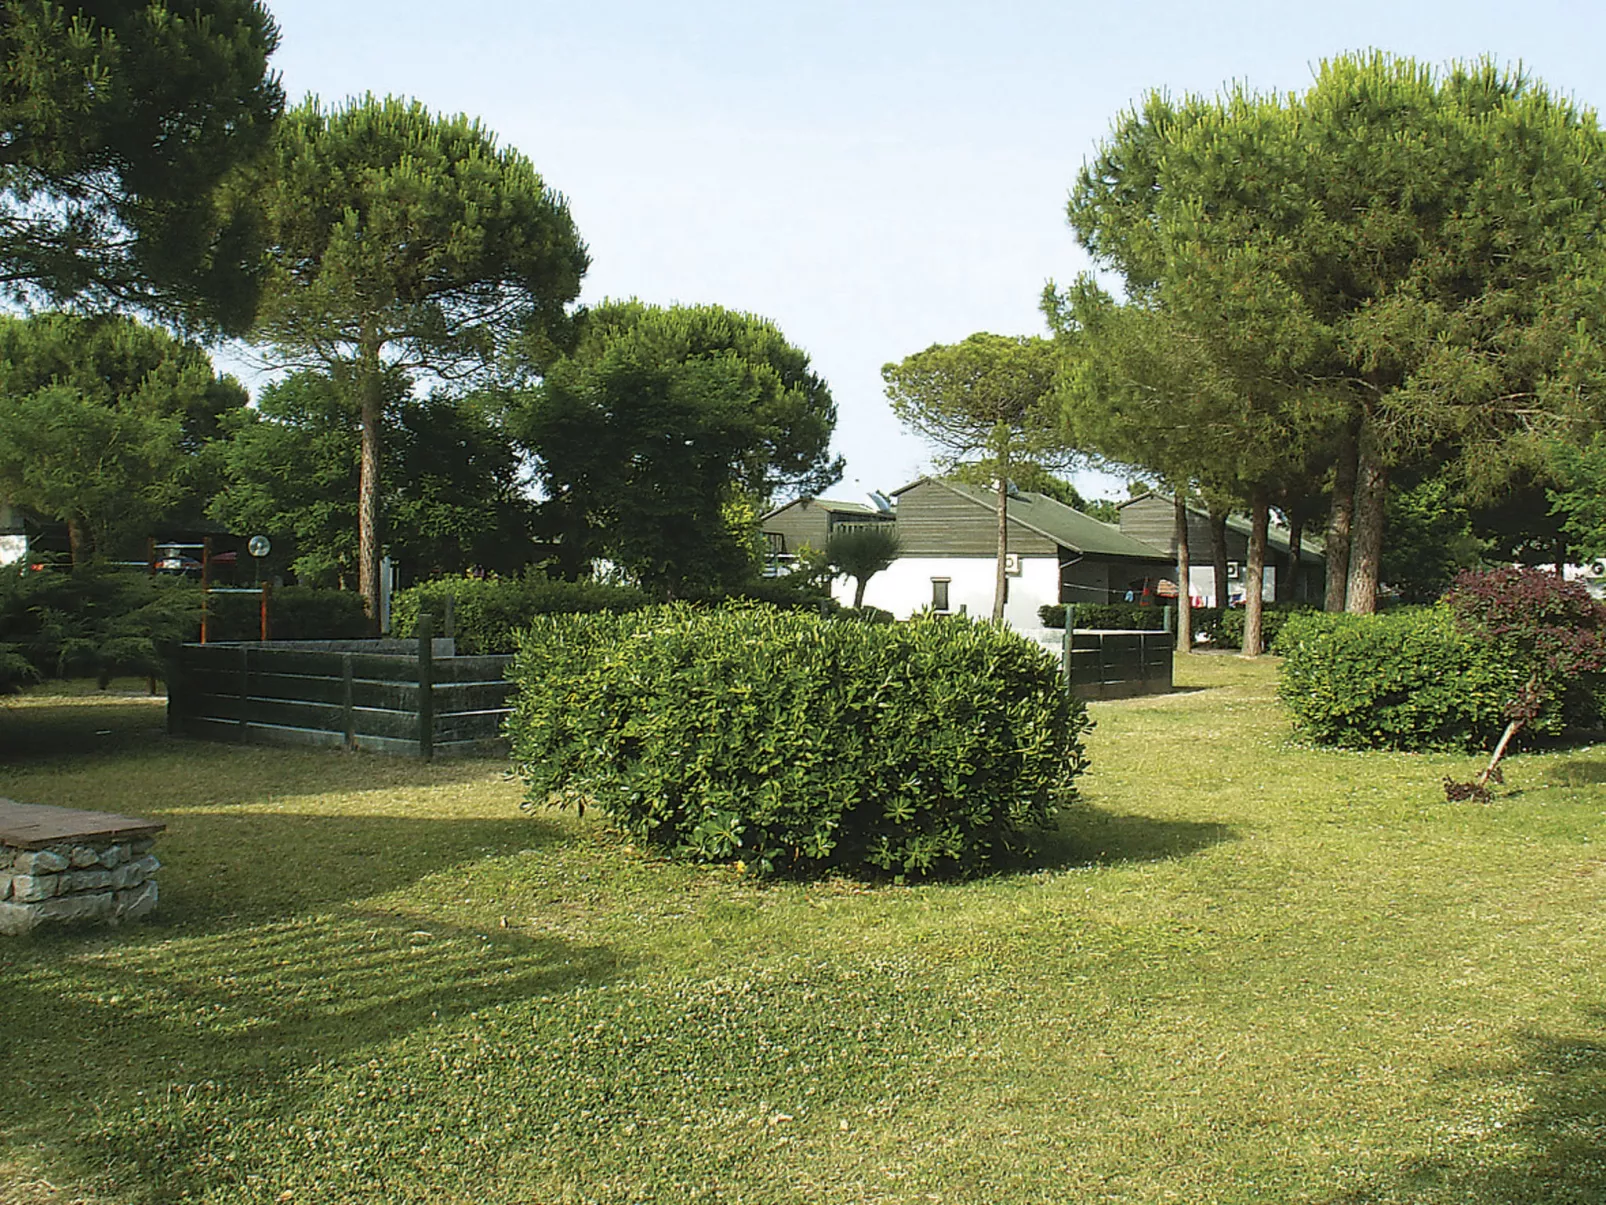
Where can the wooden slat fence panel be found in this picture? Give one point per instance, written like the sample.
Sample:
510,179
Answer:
1115,665
338,693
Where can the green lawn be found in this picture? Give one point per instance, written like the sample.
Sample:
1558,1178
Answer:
1246,971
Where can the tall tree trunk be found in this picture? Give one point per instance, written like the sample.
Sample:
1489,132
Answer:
1184,574
1366,541
371,394
79,543
1288,583
1218,553
1340,520
1000,578
1255,571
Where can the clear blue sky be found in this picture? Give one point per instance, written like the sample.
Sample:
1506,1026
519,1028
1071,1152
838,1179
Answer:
874,176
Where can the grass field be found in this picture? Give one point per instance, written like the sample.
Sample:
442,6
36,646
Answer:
1244,972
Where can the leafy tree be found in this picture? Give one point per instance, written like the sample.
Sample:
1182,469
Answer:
986,405
406,242
1428,540
107,425
118,122
1549,631
455,498
656,436
861,553
1423,249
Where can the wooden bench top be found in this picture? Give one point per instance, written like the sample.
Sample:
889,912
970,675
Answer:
36,825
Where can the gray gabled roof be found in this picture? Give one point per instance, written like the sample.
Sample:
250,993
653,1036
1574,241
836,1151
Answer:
830,506
1055,521
1312,547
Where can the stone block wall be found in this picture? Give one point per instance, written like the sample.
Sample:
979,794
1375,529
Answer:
91,879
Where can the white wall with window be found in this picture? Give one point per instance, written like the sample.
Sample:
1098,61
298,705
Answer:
915,583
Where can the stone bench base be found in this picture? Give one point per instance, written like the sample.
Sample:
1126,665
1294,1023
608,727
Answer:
55,869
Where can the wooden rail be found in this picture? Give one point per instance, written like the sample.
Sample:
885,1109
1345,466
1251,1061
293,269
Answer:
415,699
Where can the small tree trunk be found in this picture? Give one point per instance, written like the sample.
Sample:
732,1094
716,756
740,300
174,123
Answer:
1366,544
78,542
1340,520
1288,587
1184,573
1218,553
1001,578
1514,727
1561,556
370,389
1255,572
859,583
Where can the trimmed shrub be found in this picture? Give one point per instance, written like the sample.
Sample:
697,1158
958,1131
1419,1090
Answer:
294,613
1224,626
490,612
1410,679
797,743
1119,617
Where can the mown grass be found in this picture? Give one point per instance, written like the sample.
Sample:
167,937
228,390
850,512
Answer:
1244,972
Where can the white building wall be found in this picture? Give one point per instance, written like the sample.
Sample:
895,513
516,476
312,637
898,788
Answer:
1203,580
906,587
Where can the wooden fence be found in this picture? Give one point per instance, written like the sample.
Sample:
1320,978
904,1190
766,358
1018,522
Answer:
414,698
1117,665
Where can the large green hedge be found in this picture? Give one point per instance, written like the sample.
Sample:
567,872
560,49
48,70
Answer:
490,612
797,743
1410,679
1224,626
294,613
1120,617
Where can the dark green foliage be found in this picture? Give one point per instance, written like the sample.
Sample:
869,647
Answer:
93,622
454,500
1224,626
1412,679
797,744
117,124
488,613
1427,540
294,613
794,592
108,425
654,436
1117,617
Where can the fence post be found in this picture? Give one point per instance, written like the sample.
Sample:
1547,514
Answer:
345,701
426,687
451,617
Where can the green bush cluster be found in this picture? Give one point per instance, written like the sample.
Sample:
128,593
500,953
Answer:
798,743
294,613
489,612
95,622
1119,617
1411,679
1224,626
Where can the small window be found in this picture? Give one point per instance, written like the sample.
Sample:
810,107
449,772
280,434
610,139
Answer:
939,593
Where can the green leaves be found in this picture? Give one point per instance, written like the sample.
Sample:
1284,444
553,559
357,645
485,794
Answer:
799,744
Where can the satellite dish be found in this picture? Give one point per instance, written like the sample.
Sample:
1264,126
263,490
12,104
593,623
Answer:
259,546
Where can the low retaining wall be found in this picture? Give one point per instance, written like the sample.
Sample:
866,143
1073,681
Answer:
1117,665
61,866
414,698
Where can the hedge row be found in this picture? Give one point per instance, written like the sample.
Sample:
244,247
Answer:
294,613
1121,617
1412,679
1224,626
796,743
490,612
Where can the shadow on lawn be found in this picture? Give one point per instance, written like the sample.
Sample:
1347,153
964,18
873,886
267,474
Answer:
245,867
1091,836
151,1059
1576,772
1552,1153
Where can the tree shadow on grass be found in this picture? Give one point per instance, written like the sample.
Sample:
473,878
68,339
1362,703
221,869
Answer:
127,740
1553,1152
150,1061
1576,772
239,868
1094,837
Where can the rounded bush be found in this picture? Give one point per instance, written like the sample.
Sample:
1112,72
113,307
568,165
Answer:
1412,679
796,743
